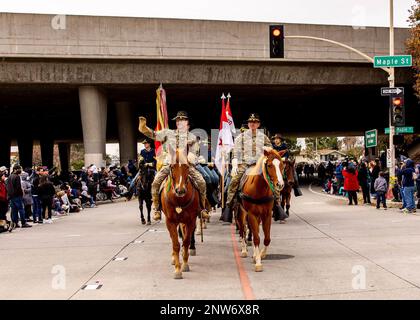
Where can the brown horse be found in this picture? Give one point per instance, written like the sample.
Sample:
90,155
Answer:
289,181
257,200
181,205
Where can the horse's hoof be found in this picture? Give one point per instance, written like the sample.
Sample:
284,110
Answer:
249,243
143,222
244,254
282,221
193,252
185,268
178,275
149,223
258,268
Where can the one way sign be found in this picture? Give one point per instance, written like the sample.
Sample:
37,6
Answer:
386,91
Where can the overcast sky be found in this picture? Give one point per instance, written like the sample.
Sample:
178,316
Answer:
341,12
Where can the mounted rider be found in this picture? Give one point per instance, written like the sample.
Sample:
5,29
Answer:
182,139
279,144
248,147
148,155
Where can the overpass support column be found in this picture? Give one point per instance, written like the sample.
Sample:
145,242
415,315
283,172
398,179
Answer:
126,132
25,145
93,111
64,152
47,152
5,144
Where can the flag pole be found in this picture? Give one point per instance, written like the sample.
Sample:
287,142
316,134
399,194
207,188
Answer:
223,178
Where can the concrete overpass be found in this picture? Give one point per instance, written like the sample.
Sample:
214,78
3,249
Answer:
80,78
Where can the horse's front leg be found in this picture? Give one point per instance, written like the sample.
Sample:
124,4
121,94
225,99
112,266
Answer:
254,225
288,202
149,209
186,241
172,228
141,209
193,251
242,221
266,225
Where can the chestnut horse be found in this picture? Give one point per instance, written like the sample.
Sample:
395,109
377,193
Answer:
181,205
257,200
289,181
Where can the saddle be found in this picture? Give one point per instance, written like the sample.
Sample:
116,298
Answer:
240,195
164,185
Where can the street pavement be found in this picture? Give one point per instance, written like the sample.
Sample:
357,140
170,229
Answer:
326,250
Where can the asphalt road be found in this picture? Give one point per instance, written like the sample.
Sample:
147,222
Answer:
327,250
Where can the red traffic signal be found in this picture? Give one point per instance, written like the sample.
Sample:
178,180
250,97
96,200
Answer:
276,41
397,109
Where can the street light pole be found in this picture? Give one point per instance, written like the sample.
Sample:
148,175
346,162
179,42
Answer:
391,80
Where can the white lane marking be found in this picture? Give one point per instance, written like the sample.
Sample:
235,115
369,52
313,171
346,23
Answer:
120,258
92,287
138,241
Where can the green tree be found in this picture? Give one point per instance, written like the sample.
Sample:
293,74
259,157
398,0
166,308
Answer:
322,143
413,44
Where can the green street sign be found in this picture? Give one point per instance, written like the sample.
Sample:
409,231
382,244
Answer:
371,138
401,130
392,61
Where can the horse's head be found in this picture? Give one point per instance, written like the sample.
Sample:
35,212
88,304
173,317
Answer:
275,166
179,171
289,171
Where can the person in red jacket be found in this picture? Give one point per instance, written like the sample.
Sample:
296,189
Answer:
4,203
351,183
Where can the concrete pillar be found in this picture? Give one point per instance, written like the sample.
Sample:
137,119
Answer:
47,152
25,145
5,144
93,110
126,132
64,152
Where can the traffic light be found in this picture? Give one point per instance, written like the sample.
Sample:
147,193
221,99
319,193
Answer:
276,41
397,109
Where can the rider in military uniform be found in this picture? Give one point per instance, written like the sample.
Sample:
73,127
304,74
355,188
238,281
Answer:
248,147
280,145
182,139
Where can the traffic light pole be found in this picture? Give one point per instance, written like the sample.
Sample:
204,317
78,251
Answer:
391,80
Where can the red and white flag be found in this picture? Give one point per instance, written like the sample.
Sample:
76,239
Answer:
225,139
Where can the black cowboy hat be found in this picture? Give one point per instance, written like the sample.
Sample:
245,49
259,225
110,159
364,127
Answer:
146,141
181,115
277,136
254,117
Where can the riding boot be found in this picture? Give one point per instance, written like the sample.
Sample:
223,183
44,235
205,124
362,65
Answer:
278,212
156,214
227,214
297,191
